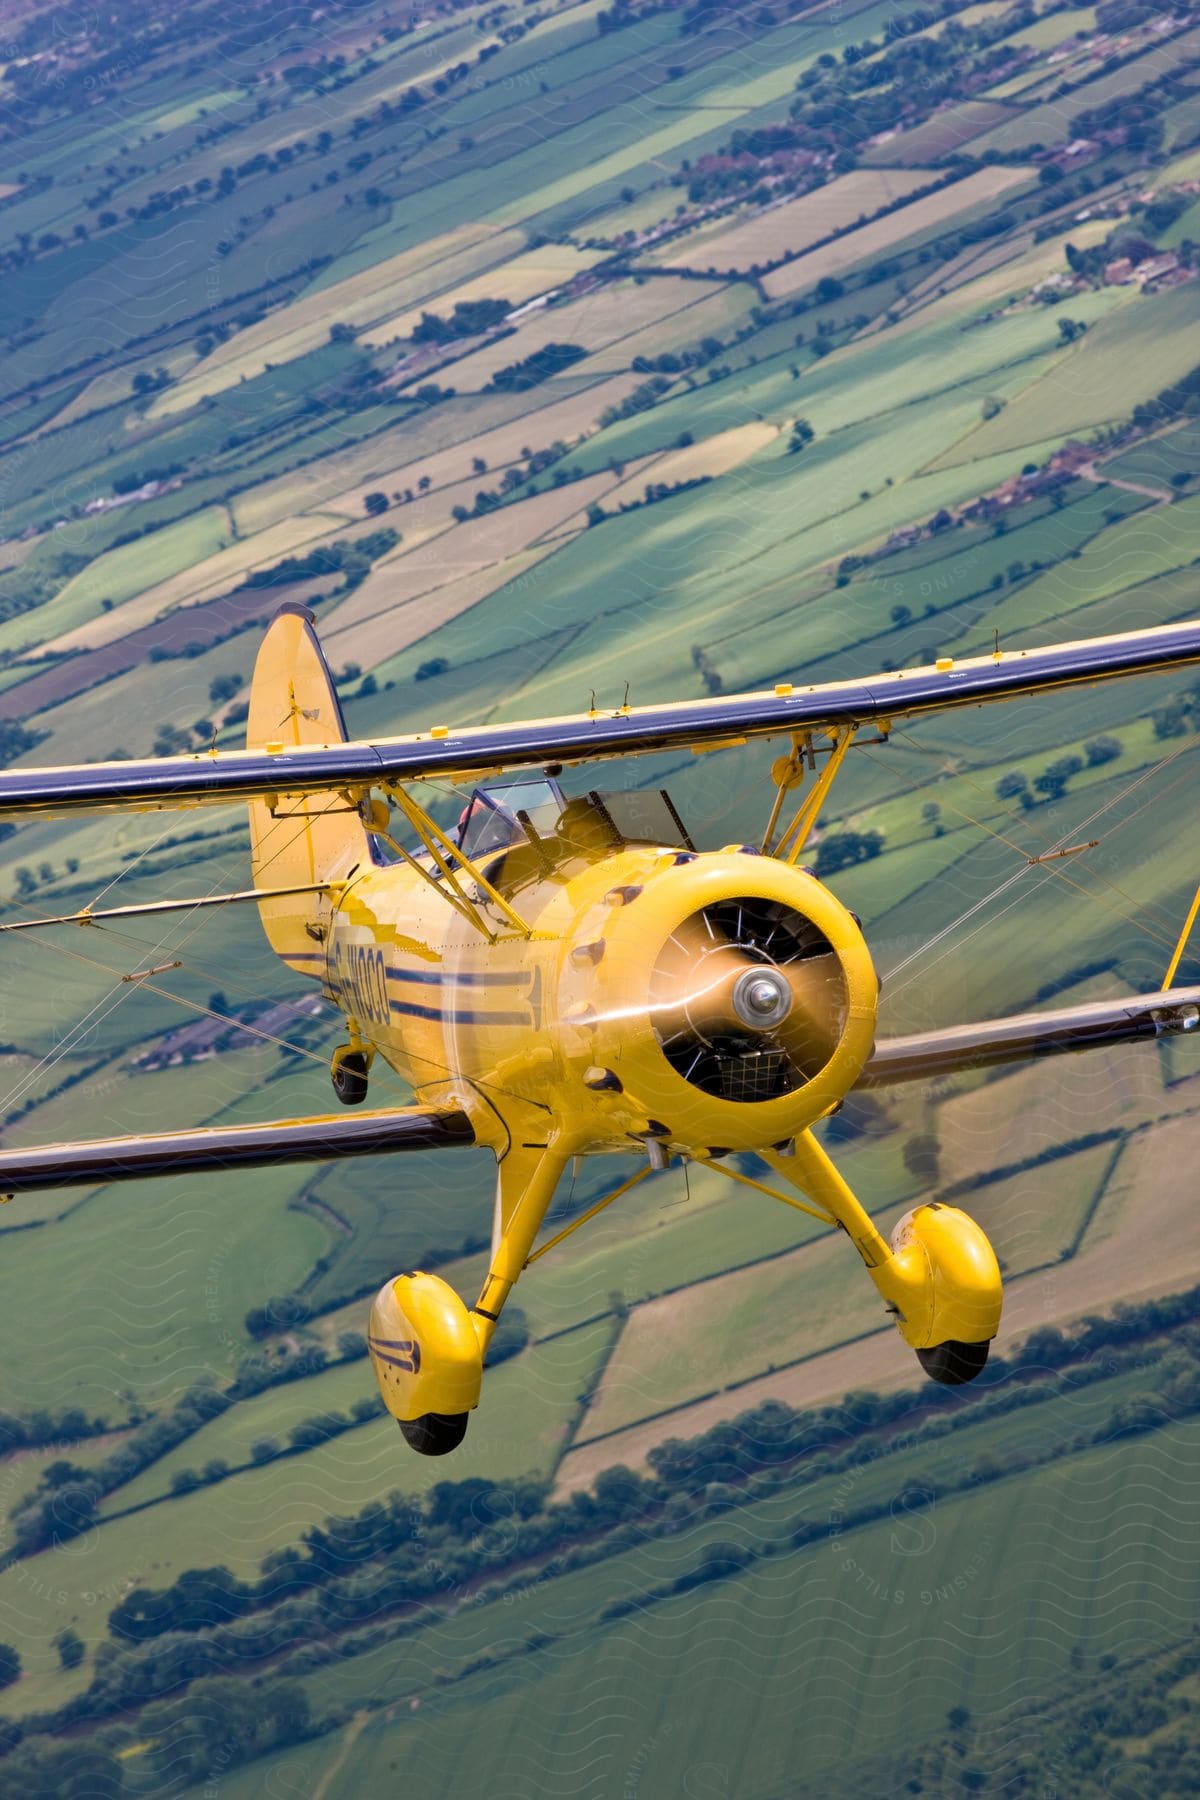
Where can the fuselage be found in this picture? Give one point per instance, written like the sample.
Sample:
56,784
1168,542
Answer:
564,1022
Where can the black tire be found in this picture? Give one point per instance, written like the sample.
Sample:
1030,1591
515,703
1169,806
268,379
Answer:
435,1434
952,1363
350,1079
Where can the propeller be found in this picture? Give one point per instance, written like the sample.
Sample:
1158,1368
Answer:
748,999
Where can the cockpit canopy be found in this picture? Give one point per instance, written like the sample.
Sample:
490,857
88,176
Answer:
491,820
535,812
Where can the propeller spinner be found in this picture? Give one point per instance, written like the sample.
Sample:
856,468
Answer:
748,999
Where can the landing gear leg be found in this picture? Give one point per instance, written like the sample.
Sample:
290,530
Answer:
426,1347
526,1180
938,1277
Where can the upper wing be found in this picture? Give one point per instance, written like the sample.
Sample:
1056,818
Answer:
326,1139
215,777
1026,1035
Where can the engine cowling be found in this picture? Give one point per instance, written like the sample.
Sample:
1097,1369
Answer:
733,998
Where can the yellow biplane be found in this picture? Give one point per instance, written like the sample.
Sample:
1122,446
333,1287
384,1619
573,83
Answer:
561,977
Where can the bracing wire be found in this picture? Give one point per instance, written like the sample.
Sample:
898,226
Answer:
1049,871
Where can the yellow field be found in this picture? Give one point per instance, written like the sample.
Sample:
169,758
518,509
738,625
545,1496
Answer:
475,545
714,456
481,426
1017,84
14,551
1120,1085
194,109
567,418
605,317
870,1362
711,307
1052,28
361,299
635,215
1184,168
885,234
398,622
360,464
214,575
521,278
996,272
796,224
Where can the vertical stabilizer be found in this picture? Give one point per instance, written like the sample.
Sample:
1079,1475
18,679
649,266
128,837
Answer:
316,838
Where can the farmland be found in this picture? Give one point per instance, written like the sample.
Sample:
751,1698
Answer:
547,354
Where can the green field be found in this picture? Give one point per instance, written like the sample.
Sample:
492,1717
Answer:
985,1602
236,1522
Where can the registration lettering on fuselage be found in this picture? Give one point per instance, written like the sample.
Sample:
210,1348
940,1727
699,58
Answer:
358,973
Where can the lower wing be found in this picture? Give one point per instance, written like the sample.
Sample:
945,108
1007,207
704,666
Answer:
332,1138
220,1147
1025,1036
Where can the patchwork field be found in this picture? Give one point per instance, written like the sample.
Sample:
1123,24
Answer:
947,131
868,1630
473,298
921,216
792,227
1156,337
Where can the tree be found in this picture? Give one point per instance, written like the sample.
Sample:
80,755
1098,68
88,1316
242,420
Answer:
802,434
10,1666
840,849
1169,721
1070,329
1102,749
921,1158
1015,786
510,1336
901,616
931,814
375,503
70,1647
1052,782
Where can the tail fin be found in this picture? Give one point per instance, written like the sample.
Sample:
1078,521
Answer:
293,701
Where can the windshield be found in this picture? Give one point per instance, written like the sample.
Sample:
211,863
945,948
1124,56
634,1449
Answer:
489,820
